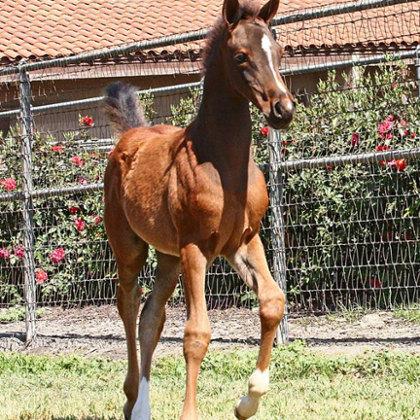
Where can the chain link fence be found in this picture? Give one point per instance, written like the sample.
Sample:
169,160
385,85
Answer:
342,230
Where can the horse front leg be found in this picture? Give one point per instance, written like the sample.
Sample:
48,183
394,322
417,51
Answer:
250,263
197,330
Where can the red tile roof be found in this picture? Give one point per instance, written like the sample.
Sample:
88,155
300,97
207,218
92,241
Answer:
51,28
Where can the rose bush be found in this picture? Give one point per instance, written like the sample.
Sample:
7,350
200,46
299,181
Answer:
347,226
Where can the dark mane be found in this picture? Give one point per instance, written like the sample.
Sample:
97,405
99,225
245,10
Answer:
248,8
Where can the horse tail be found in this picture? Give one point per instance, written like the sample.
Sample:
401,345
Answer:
123,108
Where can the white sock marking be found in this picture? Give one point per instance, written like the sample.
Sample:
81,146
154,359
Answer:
266,46
257,387
141,410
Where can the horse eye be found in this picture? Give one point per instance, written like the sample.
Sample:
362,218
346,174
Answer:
241,58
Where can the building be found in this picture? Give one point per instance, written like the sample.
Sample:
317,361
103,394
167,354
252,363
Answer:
35,30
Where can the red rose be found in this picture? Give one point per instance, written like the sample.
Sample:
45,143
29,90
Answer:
57,149
9,184
264,131
73,209
77,161
57,255
19,251
400,164
375,283
330,168
87,121
355,138
80,224
382,148
95,219
41,276
4,253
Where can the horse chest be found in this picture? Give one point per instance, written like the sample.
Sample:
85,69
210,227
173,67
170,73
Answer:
205,203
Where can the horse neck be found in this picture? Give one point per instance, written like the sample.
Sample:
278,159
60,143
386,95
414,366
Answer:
222,131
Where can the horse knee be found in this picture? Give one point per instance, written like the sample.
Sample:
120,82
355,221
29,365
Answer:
272,308
196,340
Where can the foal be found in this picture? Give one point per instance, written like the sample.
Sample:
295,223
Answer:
194,194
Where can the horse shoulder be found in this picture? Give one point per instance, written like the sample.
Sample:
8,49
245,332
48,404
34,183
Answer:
257,196
195,195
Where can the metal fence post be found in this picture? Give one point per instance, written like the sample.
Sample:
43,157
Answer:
28,233
277,225
417,65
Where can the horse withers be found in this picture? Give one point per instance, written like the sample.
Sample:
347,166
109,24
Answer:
194,194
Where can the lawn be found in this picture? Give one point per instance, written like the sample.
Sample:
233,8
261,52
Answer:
305,386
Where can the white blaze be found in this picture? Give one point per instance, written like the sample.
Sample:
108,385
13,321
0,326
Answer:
141,410
266,46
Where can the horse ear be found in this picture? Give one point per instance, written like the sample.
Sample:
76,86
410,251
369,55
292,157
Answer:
269,10
230,12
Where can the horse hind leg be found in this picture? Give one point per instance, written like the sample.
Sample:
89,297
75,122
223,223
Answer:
152,320
130,253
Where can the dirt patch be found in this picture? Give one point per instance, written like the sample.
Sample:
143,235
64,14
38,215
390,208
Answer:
98,331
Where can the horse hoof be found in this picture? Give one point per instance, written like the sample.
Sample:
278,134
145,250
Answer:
238,416
126,415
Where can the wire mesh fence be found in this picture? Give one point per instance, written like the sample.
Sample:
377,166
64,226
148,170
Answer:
343,223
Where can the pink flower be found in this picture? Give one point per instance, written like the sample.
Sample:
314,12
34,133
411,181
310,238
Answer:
57,255
77,161
383,128
394,85
375,283
41,276
19,251
87,121
73,209
82,181
264,131
403,123
4,253
80,224
355,138
9,184
390,118
57,149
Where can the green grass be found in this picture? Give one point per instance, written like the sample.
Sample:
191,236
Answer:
304,386
411,314
17,313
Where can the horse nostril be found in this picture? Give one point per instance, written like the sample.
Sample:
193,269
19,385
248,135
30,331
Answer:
277,111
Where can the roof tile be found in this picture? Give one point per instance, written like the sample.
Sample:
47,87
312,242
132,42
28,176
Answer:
62,27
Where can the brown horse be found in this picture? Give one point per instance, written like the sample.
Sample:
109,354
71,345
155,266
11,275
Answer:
194,194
